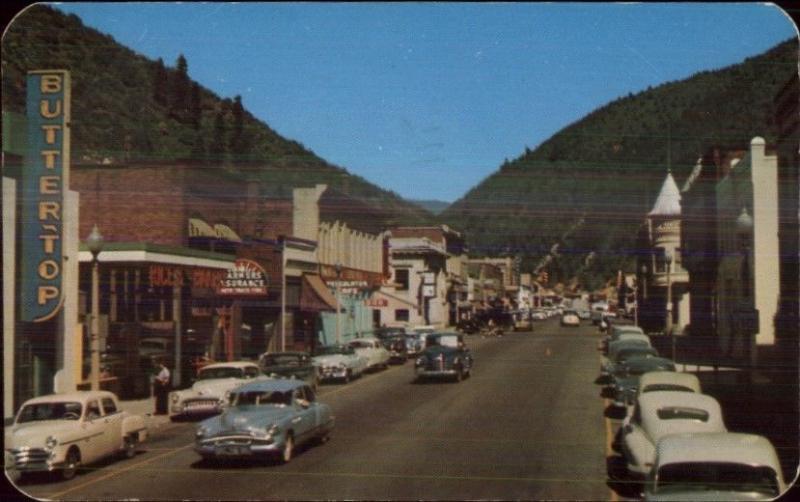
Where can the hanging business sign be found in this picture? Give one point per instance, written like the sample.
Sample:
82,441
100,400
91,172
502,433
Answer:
246,278
44,180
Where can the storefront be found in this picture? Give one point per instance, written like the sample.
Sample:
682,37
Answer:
353,290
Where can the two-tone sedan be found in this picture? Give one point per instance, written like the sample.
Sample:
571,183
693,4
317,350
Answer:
626,378
338,362
61,432
290,364
265,419
208,393
446,356
373,351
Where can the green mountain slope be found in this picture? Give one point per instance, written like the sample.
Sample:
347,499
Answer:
128,108
588,187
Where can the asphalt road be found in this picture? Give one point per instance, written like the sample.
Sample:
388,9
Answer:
527,425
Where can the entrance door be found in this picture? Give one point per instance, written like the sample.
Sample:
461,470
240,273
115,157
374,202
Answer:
376,318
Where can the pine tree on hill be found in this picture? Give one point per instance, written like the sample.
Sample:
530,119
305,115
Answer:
180,89
160,83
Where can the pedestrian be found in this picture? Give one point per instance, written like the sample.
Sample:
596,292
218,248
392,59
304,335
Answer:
161,390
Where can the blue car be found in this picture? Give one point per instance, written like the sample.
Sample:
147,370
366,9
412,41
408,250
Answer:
265,419
446,356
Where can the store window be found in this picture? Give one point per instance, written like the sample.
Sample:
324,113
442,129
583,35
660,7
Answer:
401,315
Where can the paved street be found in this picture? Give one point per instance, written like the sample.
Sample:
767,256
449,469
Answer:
527,425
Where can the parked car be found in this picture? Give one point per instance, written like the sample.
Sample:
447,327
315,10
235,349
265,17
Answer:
60,432
585,314
267,418
207,394
658,414
396,345
446,355
386,331
614,333
715,466
290,365
626,379
338,362
570,318
469,326
538,315
522,321
372,350
620,351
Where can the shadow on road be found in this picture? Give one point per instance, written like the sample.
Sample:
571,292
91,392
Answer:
614,412
619,481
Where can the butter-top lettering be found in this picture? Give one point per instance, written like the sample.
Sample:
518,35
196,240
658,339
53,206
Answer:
50,84
46,112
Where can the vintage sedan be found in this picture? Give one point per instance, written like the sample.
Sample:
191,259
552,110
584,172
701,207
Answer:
290,365
446,355
570,318
60,432
265,419
658,414
626,378
415,343
373,350
207,395
616,331
396,345
622,350
338,362
715,466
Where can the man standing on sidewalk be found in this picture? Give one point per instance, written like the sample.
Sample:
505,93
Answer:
161,389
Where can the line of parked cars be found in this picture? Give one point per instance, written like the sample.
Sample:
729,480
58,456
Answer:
673,437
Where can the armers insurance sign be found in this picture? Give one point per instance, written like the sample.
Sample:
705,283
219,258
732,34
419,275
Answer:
246,278
44,180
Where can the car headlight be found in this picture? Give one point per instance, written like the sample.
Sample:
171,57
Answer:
50,442
201,432
273,430
420,361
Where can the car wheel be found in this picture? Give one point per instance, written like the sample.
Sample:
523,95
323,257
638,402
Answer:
288,449
71,464
130,447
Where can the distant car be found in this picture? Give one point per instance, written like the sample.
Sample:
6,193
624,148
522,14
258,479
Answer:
446,356
626,378
386,331
267,418
290,365
208,393
715,466
658,414
396,345
627,336
61,432
615,331
338,362
415,343
538,315
372,350
584,314
570,318
522,321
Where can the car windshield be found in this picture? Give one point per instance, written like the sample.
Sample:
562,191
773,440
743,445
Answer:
722,476
255,398
50,411
329,350
222,372
280,360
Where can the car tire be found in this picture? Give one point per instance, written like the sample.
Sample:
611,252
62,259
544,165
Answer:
288,449
130,447
71,464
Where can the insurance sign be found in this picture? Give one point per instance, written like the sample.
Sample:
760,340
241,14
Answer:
44,180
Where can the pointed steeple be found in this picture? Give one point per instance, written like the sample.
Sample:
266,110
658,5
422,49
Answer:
668,202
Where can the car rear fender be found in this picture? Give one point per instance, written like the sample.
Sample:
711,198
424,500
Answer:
134,425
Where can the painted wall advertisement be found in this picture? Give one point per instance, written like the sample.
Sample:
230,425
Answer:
44,180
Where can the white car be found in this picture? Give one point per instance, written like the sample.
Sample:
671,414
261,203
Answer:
663,381
208,393
372,350
538,315
715,466
60,432
338,362
658,414
570,318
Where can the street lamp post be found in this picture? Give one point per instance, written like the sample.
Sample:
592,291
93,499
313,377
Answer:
95,244
338,326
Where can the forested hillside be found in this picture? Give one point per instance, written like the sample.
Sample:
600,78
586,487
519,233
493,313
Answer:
588,187
128,108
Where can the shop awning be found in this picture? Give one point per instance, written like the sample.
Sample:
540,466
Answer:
315,296
199,228
226,232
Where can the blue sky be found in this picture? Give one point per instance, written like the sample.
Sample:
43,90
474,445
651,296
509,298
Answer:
428,99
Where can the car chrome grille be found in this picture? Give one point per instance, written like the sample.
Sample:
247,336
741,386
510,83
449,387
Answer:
200,404
28,456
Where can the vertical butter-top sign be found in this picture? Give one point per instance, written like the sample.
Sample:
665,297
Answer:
44,180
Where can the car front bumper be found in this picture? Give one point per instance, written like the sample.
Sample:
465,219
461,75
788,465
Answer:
239,446
195,407
440,373
35,459
333,372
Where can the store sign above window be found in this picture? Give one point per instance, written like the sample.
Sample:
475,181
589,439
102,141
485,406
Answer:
44,180
246,278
